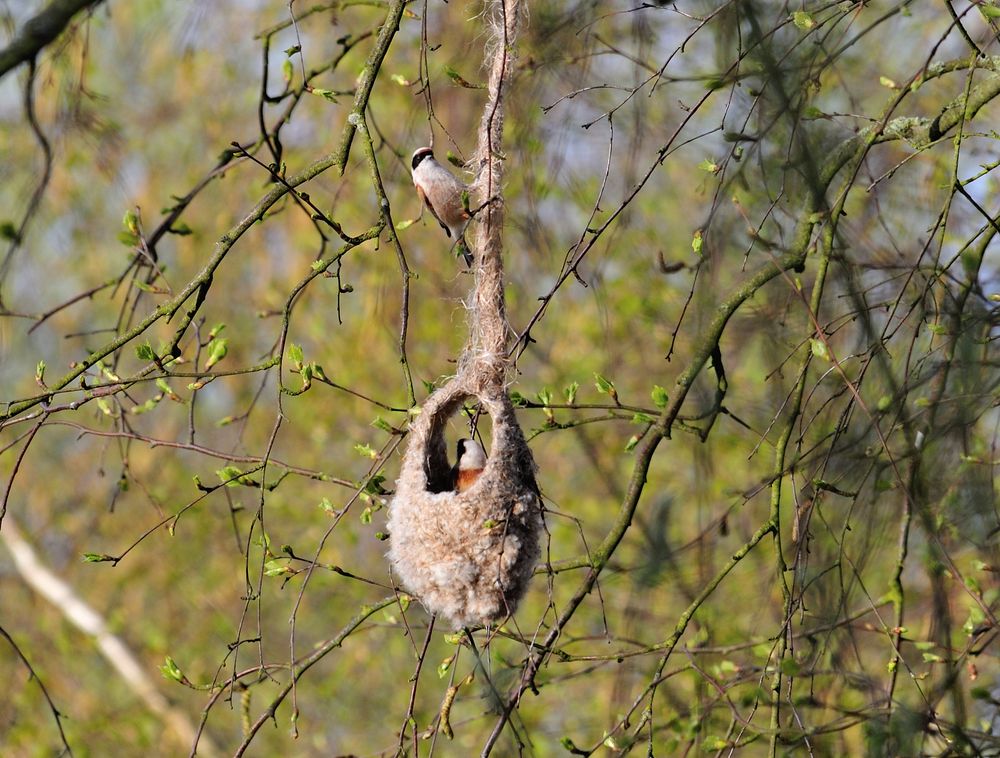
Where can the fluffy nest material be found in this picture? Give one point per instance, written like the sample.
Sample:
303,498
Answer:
468,557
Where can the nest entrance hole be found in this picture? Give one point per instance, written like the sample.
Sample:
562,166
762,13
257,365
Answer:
463,418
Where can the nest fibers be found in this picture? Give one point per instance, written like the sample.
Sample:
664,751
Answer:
468,556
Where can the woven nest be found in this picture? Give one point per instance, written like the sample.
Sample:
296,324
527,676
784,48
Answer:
467,556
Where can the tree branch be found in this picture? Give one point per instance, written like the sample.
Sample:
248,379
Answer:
39,31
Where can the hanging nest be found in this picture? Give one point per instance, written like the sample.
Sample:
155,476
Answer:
467,556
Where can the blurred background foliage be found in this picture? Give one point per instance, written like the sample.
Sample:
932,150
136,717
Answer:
679,144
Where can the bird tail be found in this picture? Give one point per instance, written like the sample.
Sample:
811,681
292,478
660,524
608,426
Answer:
462,248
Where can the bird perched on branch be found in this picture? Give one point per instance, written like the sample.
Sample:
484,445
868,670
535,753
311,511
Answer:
469,464
442,193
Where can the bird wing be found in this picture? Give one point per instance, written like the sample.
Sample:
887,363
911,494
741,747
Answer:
430,207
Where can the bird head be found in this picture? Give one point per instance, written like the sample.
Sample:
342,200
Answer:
419,155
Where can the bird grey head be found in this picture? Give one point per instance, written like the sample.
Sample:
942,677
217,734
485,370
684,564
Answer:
419,155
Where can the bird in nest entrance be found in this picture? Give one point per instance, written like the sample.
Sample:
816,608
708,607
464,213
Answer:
469,464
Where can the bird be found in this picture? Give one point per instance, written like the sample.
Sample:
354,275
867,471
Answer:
468,466
441,192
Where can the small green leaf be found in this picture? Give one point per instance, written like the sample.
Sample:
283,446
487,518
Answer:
295,354
290,51
181,229
819,348
604,386
803,20
325,94
145,352
445,665
571,393
709,166
230,476
714,744
275,567
171,670
401,80
40,372
145,407
366,516
326,506
632,442
102,403
97,558
642,418
131,222
610,742
660,396
366,450
287,70
217,350
885,81
374,485
457,78
382,424
696,242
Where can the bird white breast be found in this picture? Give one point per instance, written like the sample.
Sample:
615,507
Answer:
474,457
